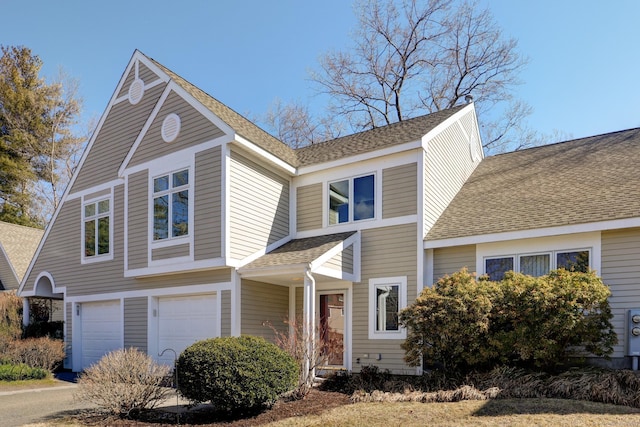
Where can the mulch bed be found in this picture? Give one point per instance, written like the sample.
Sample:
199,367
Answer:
315,403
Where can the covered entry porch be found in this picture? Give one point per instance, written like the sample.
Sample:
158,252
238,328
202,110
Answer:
319,273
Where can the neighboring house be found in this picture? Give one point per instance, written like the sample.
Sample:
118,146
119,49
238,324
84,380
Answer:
17,246
184,221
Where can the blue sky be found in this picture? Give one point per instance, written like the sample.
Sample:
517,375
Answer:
581,79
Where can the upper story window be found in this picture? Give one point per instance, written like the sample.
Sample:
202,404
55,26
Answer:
352,199
96,228
171,205
537,264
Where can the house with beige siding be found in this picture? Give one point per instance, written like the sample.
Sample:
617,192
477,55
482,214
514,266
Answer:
574,204
184,221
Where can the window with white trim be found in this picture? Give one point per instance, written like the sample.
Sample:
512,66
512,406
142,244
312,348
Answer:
171,205
96,229
537,264
387,297
352,199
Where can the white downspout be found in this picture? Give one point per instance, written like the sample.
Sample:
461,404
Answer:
309,323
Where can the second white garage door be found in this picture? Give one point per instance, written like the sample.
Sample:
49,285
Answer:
183,320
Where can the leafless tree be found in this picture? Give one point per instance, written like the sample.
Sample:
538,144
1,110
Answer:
414,57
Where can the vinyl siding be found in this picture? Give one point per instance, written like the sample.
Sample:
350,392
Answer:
225,324
309,207
138,220
299,303
259,211
7,276
386,252
60,256
400,191
447,261
208,205
621,272
169,252
194,129
342,261
144,73
263,302
114,139
447,165
67,335
135,323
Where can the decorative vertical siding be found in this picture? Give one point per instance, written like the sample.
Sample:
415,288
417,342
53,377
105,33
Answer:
400,191
386,252
225,323
259,208
67,336
208,205
263,302
447,261
114,139
138,219
194,129
447,165
309,207
621,272
135,323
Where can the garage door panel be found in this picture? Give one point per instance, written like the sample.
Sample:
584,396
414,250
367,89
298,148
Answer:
101,330
184,320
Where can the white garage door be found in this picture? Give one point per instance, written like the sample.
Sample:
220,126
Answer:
101,330
183,320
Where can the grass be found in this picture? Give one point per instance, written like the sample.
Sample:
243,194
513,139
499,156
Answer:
28,384
508,412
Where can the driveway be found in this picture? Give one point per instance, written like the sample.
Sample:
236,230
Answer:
23,407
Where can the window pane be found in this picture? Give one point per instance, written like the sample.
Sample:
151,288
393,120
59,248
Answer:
339,202
89,238
180,212
160,218
103,235
90,210
161,184
573,261
363,197
535,265
103,206
496,267
181,178
387,308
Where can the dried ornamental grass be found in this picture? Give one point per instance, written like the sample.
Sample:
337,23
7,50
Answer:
124,382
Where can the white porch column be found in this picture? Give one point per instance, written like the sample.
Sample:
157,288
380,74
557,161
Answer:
309,320
25,311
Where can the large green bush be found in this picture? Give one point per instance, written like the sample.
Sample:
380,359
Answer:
235,373
542,322
19,372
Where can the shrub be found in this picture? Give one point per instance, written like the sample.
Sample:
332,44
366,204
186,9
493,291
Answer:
448,324
44,353
235,373
11,372
124,382
10,317
39,329
543,322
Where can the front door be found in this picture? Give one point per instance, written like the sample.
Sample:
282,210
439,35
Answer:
331,327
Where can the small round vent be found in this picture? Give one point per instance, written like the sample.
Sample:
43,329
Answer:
170,127
136,91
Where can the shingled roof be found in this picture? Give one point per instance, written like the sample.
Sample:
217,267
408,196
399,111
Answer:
580,181
20,244
299,251
386,136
